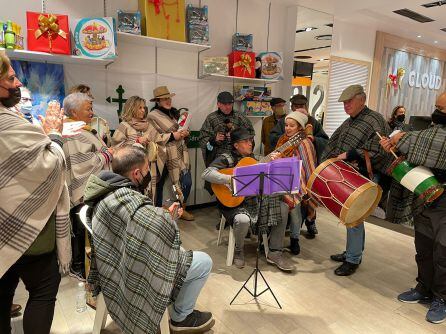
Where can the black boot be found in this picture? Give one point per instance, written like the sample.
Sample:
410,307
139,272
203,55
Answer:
311,229
294,246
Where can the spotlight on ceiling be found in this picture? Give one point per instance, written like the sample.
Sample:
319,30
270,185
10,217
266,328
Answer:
305,29
419,36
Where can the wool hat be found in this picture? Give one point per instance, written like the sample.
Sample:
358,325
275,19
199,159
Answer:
300,118
161,92
350,92
225,98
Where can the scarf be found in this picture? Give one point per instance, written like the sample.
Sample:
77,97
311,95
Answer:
139,125
305,152
173,154
32,188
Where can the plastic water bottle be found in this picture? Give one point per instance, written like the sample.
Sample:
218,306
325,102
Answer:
81,300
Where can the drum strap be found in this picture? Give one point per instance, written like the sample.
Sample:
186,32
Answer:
368,164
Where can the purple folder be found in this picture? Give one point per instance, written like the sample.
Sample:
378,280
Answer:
281,176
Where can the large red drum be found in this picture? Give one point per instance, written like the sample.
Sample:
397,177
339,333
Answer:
343,191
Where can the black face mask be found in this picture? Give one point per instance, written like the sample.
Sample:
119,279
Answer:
13,98
401,118
438,117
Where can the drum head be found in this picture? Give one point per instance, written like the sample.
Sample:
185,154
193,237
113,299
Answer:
360,204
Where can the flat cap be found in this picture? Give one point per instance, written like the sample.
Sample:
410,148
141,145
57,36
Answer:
350,92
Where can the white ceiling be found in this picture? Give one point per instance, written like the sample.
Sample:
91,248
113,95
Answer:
307,40
375,14
378,14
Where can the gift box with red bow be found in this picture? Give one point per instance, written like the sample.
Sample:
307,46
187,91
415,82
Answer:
48,33
241,64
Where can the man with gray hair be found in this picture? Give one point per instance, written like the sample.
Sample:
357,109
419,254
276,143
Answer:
86,154
350,142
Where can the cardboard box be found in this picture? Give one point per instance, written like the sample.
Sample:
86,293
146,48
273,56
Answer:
215,65
94,37
241,64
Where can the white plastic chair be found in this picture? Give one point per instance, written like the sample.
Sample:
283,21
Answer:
100,318
231,241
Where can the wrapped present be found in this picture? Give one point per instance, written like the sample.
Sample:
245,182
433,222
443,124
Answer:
163,19
94,37
271,65
129,22
48,33
215,65
241,64
242,42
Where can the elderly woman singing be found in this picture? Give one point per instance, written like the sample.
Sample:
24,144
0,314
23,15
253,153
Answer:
86,154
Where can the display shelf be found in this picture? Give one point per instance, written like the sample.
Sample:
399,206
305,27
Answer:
219,77
160,43
54,58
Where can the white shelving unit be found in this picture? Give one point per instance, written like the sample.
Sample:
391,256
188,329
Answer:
160,43
228,78
54,58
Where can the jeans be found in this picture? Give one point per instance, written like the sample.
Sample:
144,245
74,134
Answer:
185,181
197,275
355,243
41,277
295,222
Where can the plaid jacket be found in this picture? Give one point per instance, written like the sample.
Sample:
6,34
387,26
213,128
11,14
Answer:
358,134
136,258
421,148
215,122
270,212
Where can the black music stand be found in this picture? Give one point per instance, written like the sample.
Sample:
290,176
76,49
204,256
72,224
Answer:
286,189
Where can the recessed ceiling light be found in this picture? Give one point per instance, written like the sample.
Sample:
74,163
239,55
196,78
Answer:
435,42
419,36
323,59
306,29
323,37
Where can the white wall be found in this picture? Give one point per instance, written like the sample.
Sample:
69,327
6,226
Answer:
135,67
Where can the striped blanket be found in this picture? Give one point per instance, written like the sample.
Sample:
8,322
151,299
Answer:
32,188
173,154
86,154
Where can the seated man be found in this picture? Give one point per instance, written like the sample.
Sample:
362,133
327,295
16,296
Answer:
273,214
137,260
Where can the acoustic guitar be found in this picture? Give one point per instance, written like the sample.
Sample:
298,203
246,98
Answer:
222,191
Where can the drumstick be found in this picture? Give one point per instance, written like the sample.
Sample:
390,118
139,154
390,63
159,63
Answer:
391,150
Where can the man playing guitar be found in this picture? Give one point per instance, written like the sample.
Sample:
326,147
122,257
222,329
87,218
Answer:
273,214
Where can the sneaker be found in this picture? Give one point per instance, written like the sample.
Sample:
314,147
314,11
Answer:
15,310
338,257
294,246
79,275
346,269
437,311
196,322
412,296
239,259
277,259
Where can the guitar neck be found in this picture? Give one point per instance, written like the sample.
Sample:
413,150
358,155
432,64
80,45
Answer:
291,142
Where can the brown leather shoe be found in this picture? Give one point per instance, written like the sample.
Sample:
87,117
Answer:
15,310
187,215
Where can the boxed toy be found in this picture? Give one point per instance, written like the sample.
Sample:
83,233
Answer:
271,65
129,22
215,65
252,93
198,34
242,42
257,108
94,37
